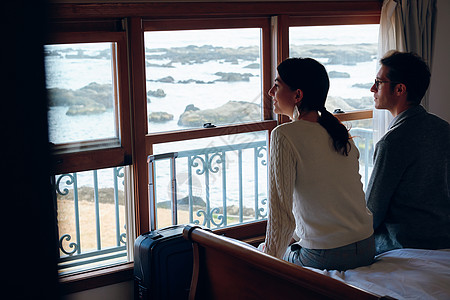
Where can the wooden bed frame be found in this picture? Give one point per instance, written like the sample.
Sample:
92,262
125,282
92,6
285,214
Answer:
229,269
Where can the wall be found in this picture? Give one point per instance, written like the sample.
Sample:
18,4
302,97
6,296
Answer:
439,102
119,291
29,264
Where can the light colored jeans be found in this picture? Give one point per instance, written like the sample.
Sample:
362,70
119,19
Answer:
342,258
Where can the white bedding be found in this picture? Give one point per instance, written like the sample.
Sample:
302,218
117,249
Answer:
403,274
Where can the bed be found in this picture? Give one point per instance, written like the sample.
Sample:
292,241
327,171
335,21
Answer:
402,274
228,269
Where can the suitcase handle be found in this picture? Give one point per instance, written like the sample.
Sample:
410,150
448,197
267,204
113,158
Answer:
151,187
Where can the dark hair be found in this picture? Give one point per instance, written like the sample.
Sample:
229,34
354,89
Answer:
411,70
311,78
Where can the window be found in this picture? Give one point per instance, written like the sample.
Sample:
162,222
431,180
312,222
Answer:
362,134
202,76
86,85
80,86
349,53
198,80
92,218
154,62
220,181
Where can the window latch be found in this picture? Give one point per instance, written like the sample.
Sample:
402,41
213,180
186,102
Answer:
208,125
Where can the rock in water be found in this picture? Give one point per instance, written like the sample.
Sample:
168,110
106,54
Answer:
230,112
91,109
159,116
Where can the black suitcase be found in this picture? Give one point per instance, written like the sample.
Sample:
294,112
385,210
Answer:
163,264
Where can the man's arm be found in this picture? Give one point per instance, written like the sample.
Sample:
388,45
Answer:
386,175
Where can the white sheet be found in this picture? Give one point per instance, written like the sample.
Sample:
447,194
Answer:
403,274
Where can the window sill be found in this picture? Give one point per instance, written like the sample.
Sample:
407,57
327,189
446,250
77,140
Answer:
355,115
195,133
89,160
96,278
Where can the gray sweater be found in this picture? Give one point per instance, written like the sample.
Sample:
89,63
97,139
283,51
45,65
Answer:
408,192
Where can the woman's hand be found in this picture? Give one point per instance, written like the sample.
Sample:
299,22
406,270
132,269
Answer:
262,247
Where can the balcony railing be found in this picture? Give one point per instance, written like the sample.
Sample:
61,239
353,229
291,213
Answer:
72,253
204,162
248,194
209,162
363,139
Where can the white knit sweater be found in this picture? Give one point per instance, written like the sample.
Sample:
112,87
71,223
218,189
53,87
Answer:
315,193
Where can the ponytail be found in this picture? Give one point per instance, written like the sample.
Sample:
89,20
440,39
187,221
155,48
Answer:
311,77
336,130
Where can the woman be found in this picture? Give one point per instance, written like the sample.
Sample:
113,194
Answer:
316,198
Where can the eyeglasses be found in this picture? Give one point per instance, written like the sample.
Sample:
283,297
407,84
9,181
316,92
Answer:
377,82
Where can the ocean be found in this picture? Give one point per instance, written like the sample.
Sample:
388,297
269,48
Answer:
67,69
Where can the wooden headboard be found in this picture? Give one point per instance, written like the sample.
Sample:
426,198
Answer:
229,269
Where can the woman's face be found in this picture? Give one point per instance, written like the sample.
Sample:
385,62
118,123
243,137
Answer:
283,97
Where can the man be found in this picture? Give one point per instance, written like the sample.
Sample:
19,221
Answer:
408,192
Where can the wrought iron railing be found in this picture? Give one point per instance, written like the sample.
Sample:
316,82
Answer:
363,139
72,254
204,163
201,162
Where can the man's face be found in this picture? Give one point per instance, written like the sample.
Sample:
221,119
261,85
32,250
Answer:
383,96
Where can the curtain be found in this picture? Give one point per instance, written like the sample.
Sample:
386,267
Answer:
419,23
390,37
405,25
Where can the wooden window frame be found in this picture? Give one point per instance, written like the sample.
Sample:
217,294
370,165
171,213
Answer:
129,19
227,23
361,18
101,153
190,134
